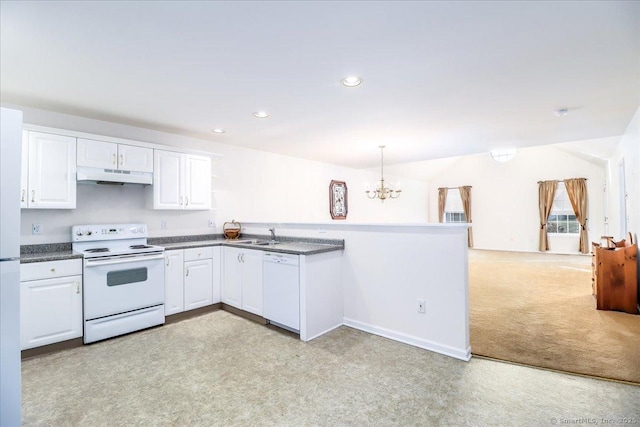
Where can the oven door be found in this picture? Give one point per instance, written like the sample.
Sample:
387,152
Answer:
121,284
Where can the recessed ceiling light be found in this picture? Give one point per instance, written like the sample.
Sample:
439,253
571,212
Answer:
561,112
352,81
217,130
261,114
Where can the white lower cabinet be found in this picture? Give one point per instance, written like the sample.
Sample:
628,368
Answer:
192,278
50,302
242,279
173,282
197,284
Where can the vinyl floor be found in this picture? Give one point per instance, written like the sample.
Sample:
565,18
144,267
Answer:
222,370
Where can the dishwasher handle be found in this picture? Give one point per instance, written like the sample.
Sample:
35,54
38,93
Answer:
281,258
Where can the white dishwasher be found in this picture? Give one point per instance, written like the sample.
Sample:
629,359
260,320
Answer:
281,290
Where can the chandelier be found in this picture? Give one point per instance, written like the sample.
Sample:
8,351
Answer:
381,192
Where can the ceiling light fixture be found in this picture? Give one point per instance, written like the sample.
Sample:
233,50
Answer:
351,81
217,130
561,112
503,156
381,192
261,114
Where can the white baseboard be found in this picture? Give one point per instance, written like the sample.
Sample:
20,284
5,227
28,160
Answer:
461,354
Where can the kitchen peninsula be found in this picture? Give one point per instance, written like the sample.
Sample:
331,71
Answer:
377,274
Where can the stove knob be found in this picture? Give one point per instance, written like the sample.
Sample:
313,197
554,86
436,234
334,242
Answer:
89,233
79,233
134,230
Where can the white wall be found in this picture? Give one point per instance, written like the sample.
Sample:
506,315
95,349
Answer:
505,196
252,185
629,151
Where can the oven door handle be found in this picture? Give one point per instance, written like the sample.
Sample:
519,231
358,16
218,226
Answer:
133,258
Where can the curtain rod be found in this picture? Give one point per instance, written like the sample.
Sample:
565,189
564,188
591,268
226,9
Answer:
455,188
562,180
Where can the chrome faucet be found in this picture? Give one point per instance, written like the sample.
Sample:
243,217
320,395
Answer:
273,234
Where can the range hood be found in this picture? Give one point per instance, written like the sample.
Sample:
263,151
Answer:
112,176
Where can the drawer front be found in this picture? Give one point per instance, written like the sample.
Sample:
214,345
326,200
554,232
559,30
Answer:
50,269
195,254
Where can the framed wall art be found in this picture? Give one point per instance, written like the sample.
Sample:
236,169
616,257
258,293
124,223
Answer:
338,199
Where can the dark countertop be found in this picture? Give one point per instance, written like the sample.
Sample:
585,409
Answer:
287,245
47,252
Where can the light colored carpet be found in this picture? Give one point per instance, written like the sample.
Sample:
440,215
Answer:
537,309
221,370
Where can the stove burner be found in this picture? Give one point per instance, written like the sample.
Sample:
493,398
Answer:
97,250
140,247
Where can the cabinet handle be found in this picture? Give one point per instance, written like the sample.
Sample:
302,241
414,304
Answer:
23,194
238,257
33,196
242,257
187,273
53,270
121,159
114,158
77,287
168,261
186,201
180,200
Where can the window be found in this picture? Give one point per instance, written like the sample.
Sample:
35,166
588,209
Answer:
453,211
562,219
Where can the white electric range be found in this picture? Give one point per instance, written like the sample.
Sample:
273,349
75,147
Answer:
123,286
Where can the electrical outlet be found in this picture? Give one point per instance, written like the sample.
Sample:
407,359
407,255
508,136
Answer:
212,223
163,224
421,306
36,228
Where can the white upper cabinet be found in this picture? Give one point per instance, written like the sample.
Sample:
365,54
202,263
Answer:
132,158
97,154
51,171
197,182
109,155
24,171
181,181
167,180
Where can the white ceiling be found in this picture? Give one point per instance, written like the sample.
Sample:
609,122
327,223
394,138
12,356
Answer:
441,79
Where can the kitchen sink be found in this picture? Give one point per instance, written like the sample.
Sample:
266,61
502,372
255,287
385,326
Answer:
265,243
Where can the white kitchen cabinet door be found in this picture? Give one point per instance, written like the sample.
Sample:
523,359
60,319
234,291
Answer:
181,181
197,182
24,171
252,281
135,159
167,180
50,311
52,171
231,277
173,282
97,154
197,284
216,275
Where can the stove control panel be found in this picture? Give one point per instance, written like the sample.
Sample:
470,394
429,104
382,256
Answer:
87,233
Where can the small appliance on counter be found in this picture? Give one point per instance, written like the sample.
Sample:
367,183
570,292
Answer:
231,229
